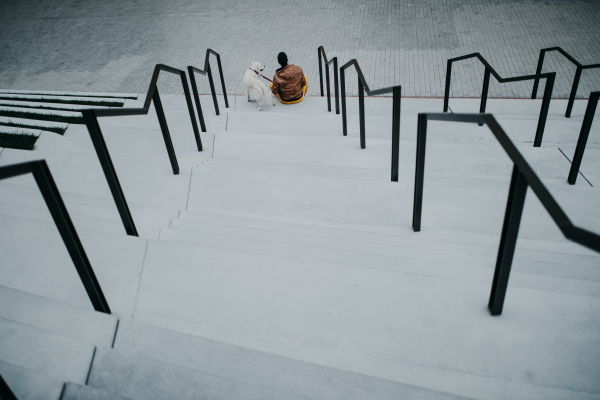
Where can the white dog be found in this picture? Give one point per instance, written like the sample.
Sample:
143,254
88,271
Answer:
254,85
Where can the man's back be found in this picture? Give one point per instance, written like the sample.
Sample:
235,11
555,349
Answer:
288,82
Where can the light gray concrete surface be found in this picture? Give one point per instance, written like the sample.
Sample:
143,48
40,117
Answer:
28,385
114,45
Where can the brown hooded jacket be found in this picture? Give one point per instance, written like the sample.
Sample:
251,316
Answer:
288,82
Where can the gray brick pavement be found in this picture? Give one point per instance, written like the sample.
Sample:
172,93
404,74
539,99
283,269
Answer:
113,45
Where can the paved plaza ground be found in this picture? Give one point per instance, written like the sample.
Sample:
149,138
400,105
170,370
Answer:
113,45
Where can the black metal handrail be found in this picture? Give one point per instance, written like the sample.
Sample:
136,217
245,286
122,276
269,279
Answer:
191,71
207,70
362,86
41,173
397,96
522,177
575,84
550,76
5,392
583,136
90,117
335,79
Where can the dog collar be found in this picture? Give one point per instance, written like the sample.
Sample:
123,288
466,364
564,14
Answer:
256,72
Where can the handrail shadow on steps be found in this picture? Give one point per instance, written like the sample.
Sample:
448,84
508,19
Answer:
550,76
583,137
575,84
90,117
335,79
207,71
362,87
523,177
43,177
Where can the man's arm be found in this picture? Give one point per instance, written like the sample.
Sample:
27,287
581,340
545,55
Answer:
275,86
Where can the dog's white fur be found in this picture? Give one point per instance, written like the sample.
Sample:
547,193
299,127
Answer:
254,85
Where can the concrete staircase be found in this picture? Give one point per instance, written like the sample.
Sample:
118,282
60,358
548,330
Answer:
281,263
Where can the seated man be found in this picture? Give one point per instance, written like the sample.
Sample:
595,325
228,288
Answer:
289,83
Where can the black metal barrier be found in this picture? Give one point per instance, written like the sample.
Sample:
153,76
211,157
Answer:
523,177
550,76
191,71
397,96
62,220
583,136
580,68
5,392
362,86
90,117
208,71
335,79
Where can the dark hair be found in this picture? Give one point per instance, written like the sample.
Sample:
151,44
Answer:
282,59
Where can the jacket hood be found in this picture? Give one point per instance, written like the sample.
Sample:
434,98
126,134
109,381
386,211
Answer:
288,72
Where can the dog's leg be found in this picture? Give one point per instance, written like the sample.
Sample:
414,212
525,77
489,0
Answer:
259,102
248,92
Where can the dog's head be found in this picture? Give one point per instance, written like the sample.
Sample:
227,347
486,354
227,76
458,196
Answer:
256,66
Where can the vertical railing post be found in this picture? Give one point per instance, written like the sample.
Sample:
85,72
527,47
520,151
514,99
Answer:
328,90
361,113
484,92
397,91
508,240
573,91
320,70
5,392
343,88
67,231
165,130
188,100
583,137
447,90
222,80
544,111
419,171
538,72
197,99
335,82
212,88
109,171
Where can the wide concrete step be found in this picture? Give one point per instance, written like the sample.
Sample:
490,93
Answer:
57,317
146,143
112,225
446,157
150,182
465,203
539,270
257,369
74,391
45,353
141,378
383,234
46,269
28,385
407,244
394,325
